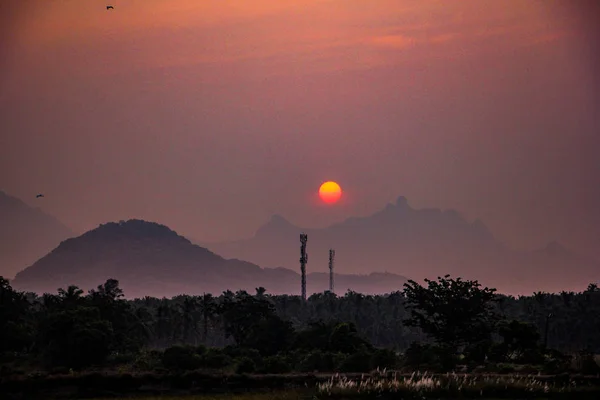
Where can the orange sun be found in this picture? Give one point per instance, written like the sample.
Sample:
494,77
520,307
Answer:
330,192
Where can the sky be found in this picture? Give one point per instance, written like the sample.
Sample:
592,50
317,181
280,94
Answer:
210,116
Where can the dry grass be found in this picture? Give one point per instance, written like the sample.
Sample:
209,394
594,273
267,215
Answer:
280,395
450,385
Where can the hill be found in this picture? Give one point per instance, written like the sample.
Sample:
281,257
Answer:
151,259
418,243
26,234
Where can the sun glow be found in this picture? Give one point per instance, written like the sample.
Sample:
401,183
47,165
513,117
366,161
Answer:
330,192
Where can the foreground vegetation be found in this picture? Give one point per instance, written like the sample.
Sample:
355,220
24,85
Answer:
378,385
102,343
425,385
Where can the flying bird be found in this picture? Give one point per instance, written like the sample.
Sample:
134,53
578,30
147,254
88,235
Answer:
39,195
110,8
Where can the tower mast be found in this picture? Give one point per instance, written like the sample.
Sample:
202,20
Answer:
303,261
331,258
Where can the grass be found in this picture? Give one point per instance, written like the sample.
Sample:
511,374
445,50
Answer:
452,385
378,384
279,395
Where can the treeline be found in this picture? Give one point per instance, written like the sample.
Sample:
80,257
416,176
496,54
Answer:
446,323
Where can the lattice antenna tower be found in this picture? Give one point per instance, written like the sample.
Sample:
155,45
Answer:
303,261
331,261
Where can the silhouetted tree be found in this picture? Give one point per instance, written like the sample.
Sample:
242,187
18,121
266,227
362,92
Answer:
451,311
15,328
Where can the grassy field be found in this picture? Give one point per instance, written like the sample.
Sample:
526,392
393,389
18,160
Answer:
380,385
281,395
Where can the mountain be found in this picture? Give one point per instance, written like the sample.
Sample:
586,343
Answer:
150,259
418,243
26,234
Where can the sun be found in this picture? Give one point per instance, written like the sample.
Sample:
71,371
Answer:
330,192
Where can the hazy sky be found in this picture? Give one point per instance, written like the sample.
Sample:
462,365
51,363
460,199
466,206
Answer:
209,116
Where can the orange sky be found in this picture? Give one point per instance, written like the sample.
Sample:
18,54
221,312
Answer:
211,115
317,34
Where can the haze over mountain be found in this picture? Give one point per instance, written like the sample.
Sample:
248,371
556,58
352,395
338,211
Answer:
151,259
418,243
26,234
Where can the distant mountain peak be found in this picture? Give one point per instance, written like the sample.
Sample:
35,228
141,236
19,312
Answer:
556,249
278,219
131,230
6,200
132,250
137,227
276,224
402,202
26,233
149,258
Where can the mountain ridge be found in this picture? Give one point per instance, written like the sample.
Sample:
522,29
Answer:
151,259
419,243
26,233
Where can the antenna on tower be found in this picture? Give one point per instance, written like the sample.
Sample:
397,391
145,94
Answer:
331,258
303,261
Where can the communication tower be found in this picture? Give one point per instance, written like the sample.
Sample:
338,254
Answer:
303,261
331,258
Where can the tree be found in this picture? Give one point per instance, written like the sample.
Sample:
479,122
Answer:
451,311
128,330
76,337
70,297
188,313
253,323
592,287
518,338
15,330
208,306
345,339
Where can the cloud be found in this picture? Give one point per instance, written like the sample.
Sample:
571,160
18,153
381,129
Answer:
548,37
394,41
445,37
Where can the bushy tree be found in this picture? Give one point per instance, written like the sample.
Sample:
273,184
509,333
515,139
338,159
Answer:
15,328
453,312
253,322
518,339
75,337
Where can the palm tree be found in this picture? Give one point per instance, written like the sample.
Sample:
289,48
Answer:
260,292
71,296
188,310
208,307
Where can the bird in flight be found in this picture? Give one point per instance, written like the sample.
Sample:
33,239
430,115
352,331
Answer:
39,195
110,8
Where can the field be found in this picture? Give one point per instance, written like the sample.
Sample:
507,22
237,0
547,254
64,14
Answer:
379,384
281,395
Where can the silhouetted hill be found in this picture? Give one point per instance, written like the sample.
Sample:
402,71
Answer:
151,259
26,234
417,243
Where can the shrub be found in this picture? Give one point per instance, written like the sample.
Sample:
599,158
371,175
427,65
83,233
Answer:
505,368
201,349
384,358
532,356
240,352
148,360
214,359
319,361
419,356
245,365
276,365
120,358
585,363
181,358
357,362
476,353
